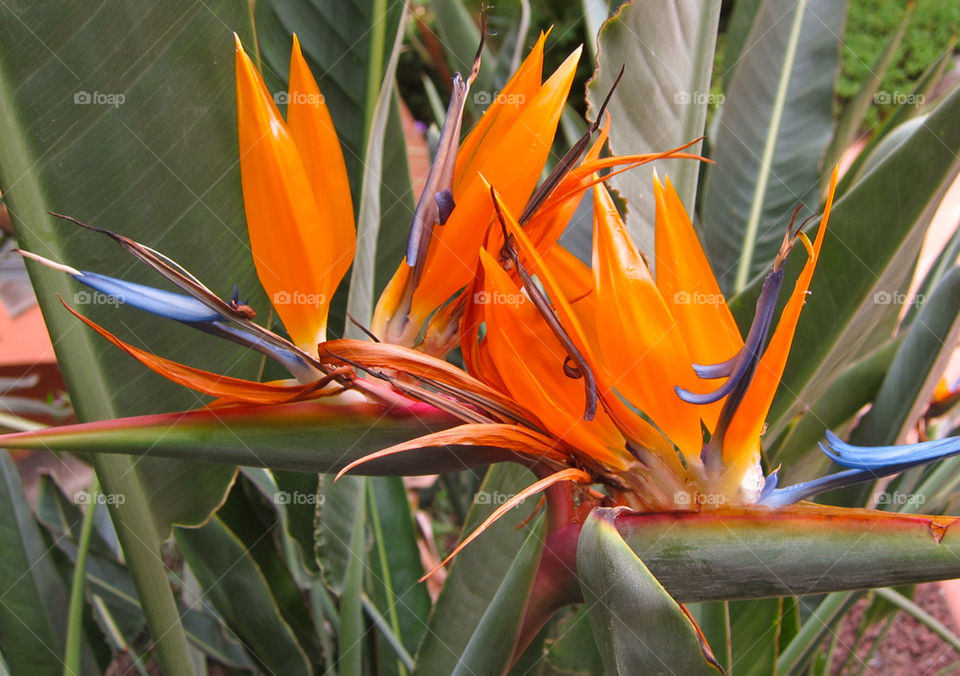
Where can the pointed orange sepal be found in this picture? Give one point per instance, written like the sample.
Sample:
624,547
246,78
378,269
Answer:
300,250
641,342
228,390
575,475
514,438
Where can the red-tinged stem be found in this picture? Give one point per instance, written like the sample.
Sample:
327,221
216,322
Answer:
555,584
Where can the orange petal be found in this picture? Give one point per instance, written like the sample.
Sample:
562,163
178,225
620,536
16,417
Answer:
529,359
510,437
637,428
576,475
742,439
690,290
229,390
292,246
640,342
512,157
311,127
503,110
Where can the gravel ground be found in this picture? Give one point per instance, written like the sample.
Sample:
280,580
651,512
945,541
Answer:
909,647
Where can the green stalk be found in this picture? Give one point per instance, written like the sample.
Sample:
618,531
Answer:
72,656
769,146
378,35
805,643
391,599
140,541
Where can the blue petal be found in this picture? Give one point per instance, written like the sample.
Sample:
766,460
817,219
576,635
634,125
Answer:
192,312
865,463
176,306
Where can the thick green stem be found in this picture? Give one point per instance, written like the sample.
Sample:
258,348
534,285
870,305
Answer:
140,541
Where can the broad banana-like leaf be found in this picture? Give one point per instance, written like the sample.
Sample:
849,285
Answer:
233,582
861,282
770,134
491,646
107,130
661,102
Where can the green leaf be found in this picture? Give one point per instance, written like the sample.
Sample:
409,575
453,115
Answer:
661,101
572,650
491,646
279,437
639,628
760,629
352,630
33,596
909,383
736,34
770,134
476,572
850,122
235,585
866,264
108,580
757,552
361,298
396,561
72,144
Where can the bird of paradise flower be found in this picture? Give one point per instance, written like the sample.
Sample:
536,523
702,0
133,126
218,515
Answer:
598,376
